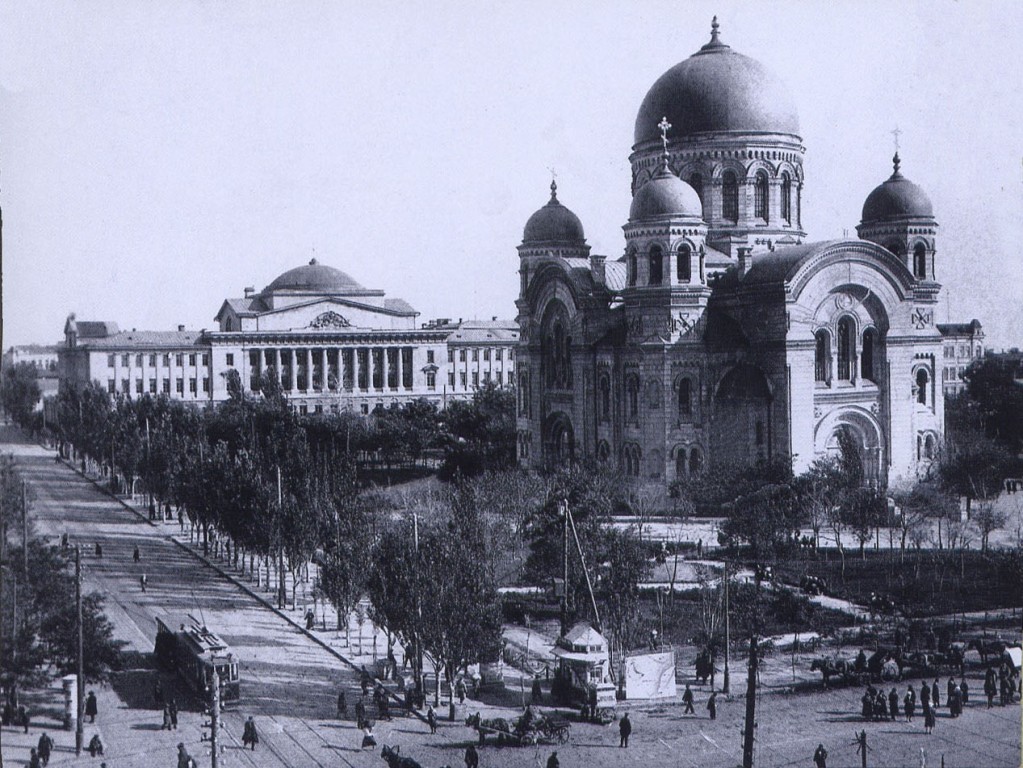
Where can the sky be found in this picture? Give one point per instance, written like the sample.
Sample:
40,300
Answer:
157,157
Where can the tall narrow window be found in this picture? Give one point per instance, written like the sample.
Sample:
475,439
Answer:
845,348
685,264
696,182
786,198
730,197
821,356
656,266
920,261
605,398
632,268
680,463
922,380
867,355
685,402
760,196
632,393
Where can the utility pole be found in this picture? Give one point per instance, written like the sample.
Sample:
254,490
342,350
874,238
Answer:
563,508
24,528
80,683
728,639
281,586
420,683
751,706
215,720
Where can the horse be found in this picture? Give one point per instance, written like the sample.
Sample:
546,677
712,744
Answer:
704,666
831,667
396,760
987,649
498,725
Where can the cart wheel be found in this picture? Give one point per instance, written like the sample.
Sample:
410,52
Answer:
562,735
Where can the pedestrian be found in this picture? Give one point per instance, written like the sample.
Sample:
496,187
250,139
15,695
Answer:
166,718
158,693
368,739
687,699
136,555
552,761
925,696
45,748
867,704
184,759
699,548
712,705
360,713
989,687
91,710
624,730
173,709
33,759
820,757
99,550
935,694
23,717
460,690
431,719
537,694
342,706
909,702
949,688
893,704
95,745
250,737
310,619
929,720
142,581
964,689
472,757
181,519
364,681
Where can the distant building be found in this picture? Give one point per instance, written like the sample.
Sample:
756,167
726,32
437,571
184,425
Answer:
44,358
961,343
335,345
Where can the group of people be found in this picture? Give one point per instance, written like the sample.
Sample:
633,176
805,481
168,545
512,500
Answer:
1007,687
876,705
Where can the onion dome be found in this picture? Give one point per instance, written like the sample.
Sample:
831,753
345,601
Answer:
897,198
665,195
553,224
314,277
717,90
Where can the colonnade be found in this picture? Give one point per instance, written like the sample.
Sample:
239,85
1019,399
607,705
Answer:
334,368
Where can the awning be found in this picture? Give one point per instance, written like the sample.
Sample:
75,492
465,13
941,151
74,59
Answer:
591,658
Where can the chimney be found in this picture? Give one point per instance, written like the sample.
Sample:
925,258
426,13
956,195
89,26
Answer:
493,318
249,291
597,269
181,327
745,259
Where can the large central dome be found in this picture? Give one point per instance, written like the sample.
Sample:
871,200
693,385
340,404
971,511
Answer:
314,278
717,90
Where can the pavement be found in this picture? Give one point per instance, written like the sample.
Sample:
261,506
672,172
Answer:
290,677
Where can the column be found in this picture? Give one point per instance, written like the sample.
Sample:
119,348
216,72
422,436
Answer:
277,365
292,371
397,369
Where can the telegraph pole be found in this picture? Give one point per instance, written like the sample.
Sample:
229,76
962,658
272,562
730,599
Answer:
80,684
724,685
563,507
215,720
24,528
751,706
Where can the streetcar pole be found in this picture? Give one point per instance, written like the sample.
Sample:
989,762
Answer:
215,720
724,686
24,527
79,726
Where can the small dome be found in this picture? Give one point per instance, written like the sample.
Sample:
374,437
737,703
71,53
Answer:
314,277
554,223
665,195
897,198
717,90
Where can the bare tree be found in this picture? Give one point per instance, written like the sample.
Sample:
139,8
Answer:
987,519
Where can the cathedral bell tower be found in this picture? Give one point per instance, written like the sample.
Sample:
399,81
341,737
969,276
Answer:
666,279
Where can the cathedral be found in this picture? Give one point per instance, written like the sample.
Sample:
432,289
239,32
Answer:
722,335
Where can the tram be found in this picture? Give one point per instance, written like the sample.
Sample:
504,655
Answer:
186,645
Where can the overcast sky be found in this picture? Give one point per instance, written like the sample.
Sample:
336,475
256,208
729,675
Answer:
158,157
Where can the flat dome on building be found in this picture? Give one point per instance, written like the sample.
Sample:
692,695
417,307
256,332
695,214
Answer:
554,223
897,198
717,90
314,277
665,195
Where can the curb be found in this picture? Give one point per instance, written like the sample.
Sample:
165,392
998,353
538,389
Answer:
240,584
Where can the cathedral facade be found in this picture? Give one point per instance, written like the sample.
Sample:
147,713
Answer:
722,336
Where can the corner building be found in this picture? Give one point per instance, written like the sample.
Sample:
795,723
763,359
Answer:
721,335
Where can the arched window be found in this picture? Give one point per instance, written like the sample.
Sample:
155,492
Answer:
920,261
632,397
656,266
703,274
730,197
684,269
630,459
685,402
695,462
632,268
760,196
845,349
680,463
929,447
696,182
605,398
821,356
603,452
922,379
867,355
786,197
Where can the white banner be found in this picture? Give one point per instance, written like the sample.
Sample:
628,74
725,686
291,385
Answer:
650,676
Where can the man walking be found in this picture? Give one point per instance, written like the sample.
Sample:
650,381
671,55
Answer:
142,581
44,748
173,709
687,699
820,757
472,757
712,705
136,555
91,710
893,704
624,730
431,719
250,737
552,761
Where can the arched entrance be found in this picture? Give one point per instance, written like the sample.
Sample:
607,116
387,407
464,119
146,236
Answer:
558,438
866,436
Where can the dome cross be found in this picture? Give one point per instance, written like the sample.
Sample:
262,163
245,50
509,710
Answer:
665,126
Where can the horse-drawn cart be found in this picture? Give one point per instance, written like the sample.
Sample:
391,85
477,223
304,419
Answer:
526,730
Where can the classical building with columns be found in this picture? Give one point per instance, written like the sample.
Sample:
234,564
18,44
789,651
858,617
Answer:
722,335
336,346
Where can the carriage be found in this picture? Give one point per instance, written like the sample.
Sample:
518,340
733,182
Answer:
188,647
529,729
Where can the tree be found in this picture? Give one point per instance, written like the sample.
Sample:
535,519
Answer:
19,392
862,510
974,465
618,587
992,383
919,503
818,491
763,518
480,433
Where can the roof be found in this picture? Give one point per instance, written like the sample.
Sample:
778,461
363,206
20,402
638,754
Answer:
716,90
665,195
583,634
779,265
960,329
896,198
314,277
554,223
146,340
616,275
491,332
91,329
399,306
